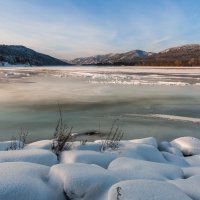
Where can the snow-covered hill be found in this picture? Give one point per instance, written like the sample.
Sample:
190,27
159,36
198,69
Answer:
186,55
15,55
111,59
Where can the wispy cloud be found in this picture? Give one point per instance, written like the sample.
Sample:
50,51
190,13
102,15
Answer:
64,38
161,40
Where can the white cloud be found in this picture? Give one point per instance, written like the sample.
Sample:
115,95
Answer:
161,40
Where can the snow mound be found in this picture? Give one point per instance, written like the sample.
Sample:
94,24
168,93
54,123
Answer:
82,181
38,156
129,169
193,160
4,146
137,169
149,140
191,171
188,145
88,157
145,190
175,160
189,186
88,146
167,146
25,181
145,152
42,144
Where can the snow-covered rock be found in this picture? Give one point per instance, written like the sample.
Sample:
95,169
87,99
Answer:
4,146
145,152
39,156
193,160
175,160
191,171
82,181
189,186
26,181
167,146
92,146
137,169
42,144
89,157
128,169
149,140
188,145
145,190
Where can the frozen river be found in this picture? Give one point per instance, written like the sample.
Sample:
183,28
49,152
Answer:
160,102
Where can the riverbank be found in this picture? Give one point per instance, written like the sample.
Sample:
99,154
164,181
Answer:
127,169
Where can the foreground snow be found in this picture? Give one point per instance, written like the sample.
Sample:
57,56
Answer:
24,181
137,169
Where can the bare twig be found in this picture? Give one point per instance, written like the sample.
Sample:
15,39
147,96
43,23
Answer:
23,137
119,193
113,137
62,138
17,144
83,141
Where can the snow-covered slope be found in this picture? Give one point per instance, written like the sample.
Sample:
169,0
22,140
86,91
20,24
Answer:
16,54
111,59
186,55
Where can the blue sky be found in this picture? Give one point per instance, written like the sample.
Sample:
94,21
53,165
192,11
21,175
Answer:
77,28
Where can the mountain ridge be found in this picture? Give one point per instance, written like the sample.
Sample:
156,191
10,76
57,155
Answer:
185,55
111,58
18,54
